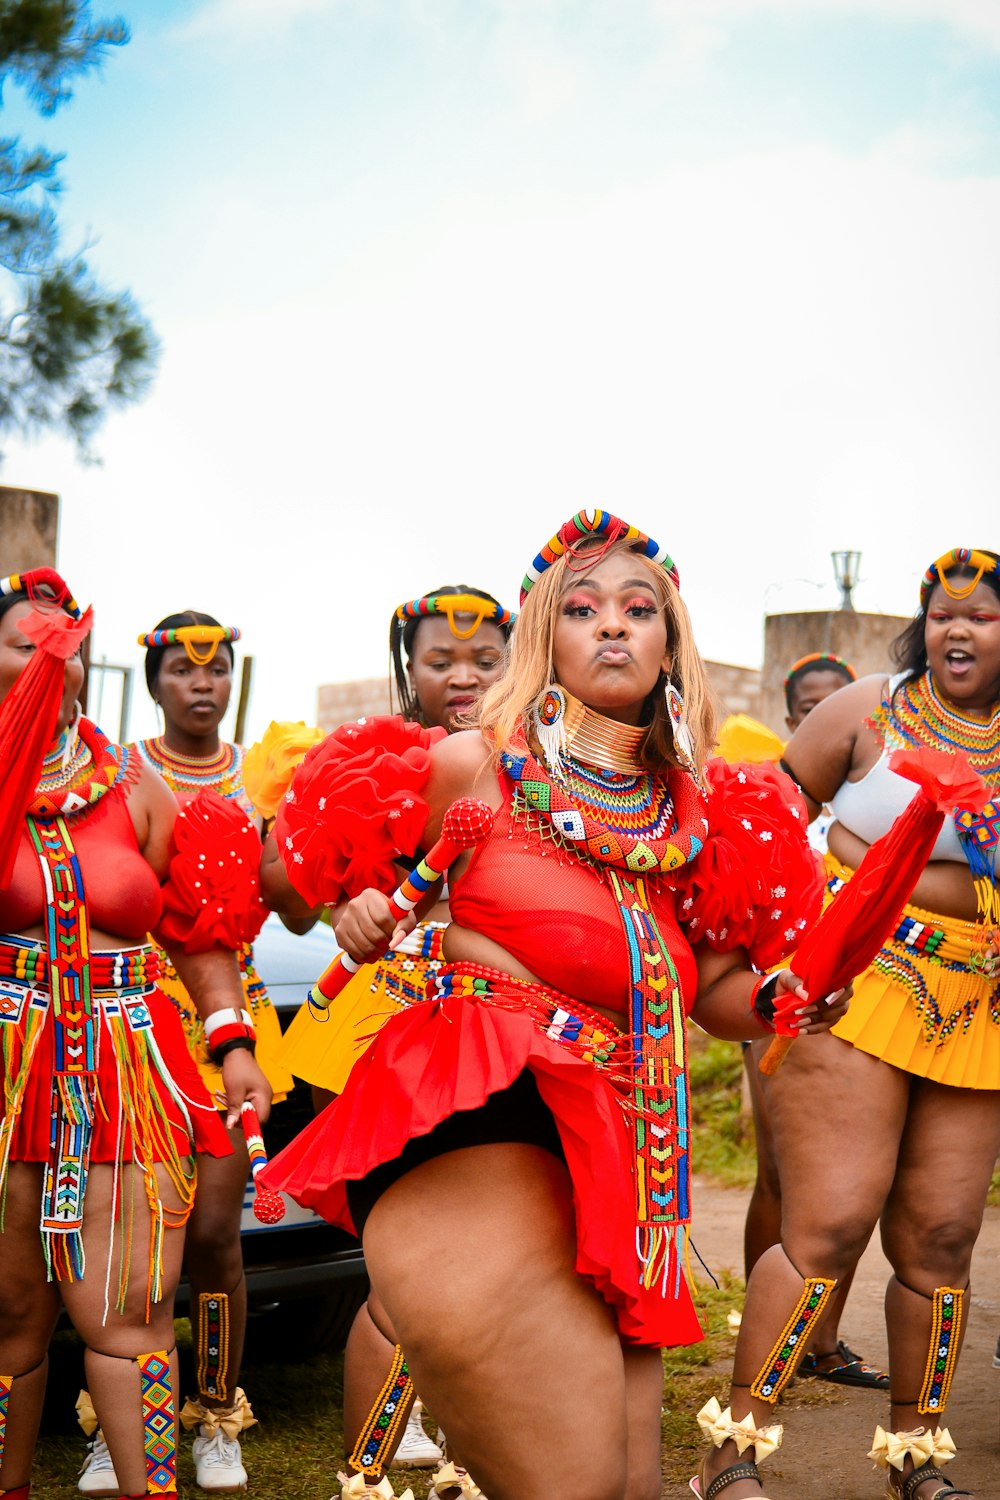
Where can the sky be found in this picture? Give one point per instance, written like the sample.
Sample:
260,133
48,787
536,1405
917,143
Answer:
431,275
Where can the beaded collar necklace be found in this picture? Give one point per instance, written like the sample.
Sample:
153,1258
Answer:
634,821
186,775
917,714
95,766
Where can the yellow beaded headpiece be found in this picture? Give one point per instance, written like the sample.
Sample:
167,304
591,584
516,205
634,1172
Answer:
192,637
982,565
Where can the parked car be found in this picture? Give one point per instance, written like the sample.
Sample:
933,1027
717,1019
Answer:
305,1279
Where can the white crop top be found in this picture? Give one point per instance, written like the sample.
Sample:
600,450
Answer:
868,808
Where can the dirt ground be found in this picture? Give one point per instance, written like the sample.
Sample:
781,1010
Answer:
824,1452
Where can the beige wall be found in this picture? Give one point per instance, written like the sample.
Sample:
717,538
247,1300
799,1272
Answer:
337,702
863,640
29,529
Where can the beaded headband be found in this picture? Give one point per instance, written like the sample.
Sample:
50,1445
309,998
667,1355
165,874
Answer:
982,562
485,611
42,586
815,658
191,637
598,523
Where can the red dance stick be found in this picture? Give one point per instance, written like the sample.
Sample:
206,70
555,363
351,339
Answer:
268,1206
466,823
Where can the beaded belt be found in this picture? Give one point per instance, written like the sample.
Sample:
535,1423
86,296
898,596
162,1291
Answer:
939,961
582,1031
113,971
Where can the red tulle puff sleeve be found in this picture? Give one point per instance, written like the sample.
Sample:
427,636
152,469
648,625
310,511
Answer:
757,883
212,896
354,806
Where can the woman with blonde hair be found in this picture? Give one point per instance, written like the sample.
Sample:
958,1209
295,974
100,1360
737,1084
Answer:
540,1093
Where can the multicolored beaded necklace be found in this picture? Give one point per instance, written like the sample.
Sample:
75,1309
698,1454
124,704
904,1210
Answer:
94,767
189,774
635,821
915,714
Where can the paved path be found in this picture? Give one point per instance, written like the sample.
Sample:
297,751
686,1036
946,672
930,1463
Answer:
825,1447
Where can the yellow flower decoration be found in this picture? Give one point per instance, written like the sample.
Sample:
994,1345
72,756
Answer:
271,763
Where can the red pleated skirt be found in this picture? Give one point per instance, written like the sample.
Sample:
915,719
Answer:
450,1054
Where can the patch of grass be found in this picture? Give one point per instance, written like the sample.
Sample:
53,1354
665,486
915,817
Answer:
722,1143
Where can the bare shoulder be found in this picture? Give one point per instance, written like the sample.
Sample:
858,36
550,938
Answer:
461,766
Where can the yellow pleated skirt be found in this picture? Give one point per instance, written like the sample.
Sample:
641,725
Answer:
265,1020
925,1005
323,1048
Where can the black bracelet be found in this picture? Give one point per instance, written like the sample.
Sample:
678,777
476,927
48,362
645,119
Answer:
764,1002
241,1043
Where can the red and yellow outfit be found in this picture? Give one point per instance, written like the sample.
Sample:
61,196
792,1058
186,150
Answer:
610,932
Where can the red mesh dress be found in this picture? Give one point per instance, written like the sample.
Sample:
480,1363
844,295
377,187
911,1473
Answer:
619,1111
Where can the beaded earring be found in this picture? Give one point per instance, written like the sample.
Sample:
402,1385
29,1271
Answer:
683,743
548,718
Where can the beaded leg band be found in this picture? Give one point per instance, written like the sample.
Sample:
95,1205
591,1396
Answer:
793,1340
159,1422
212,1345
379,1437
942,1354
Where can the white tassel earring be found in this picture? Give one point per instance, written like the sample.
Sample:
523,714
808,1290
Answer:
683,742
548,718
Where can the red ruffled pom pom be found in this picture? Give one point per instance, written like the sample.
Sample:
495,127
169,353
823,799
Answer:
757,883
354,806
212,896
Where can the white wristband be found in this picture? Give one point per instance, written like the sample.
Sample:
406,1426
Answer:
227,1017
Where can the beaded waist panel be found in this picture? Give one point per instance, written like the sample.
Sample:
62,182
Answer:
942,963
114,972
582,1031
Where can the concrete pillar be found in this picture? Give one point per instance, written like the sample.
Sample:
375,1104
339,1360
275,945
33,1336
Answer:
29,529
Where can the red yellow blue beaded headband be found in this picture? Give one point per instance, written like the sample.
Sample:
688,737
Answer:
815,658
484,611
191,637
982,563
42,586
598,523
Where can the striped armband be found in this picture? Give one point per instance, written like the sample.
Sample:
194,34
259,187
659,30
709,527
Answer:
225,1026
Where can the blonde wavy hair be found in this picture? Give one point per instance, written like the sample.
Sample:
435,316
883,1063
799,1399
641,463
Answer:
505,707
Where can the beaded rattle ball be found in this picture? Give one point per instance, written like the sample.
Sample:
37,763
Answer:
467,822
268,1206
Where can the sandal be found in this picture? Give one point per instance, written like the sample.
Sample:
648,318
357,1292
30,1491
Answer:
725,1477
920,1476
852,1371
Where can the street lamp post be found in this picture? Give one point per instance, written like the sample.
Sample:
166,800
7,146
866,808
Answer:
846,566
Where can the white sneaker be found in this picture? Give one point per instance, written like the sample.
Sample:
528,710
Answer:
416,1450
218,1462
98,1477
